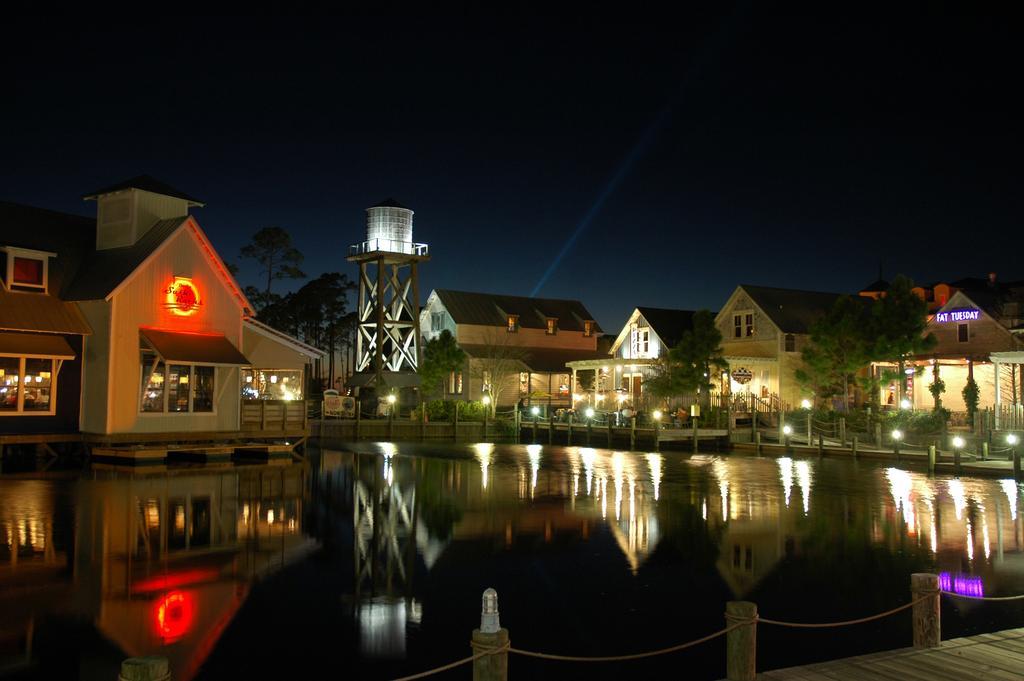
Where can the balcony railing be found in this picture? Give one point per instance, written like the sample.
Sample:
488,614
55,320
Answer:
388,246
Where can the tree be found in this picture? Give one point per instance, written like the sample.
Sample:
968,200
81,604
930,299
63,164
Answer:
971,395
687,368
497,360
441,356
897,327
272,249
839,348
937,387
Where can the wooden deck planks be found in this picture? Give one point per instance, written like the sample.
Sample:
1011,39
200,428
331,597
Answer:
998,656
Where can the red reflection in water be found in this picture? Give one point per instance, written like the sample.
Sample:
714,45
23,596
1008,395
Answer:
173,614
171,580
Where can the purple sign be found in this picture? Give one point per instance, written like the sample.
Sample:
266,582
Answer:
957,316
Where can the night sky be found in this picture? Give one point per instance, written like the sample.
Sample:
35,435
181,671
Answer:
733,144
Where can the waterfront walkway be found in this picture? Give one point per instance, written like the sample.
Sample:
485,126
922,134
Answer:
995,657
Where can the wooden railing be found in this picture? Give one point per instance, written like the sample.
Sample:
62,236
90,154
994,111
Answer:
271,415
1009,417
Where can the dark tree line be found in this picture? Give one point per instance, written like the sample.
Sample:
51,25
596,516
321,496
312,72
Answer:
317,313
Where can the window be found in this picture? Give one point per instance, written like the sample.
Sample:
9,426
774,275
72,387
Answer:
640,341
27,386
588,328
25,270
737,323
749,318
486,382
512,324
455,383
260,384
963,334
790,343
174,388
436,321
524,383
552,327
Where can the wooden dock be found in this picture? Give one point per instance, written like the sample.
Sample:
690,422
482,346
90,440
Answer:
994,657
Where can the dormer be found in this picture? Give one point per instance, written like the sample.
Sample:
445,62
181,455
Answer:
24,269
127,210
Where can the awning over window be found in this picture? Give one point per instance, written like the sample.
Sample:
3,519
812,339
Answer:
34,345
194,348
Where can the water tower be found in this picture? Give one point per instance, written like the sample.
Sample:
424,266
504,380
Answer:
388,333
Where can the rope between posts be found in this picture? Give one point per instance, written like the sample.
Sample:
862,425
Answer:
983,598
452,665
861,620
632,656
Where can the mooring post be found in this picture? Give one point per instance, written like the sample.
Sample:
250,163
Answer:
487,408
518,424
150,668
842,430
535,418
1016,464
878,435
984,451
696,437
757,443
391,423
632,433
854,446
359,416
927,627
931,459
568,437
741,642
657,435
423,420
551,428
956,460
491,635
821,445
589,430
609,431
810,432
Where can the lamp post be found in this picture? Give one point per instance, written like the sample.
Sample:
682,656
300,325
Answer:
486,400
805,404
787,430
958,444
896,435
657,429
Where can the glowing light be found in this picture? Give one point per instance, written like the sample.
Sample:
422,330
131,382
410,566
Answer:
621,397
958,442
182,297
904,404
535,410
657,414
897,435
270,516
174,615
787,430
486,399
786,476
391,398
805,403
589,412
1012,439
273,378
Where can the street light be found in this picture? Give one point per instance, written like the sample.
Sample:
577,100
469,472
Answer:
787,430
805,403
905,404
486,399
657,414
535,411
589,412
958,442
896,435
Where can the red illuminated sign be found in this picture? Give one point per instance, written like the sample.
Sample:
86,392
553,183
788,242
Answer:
182,296
173,615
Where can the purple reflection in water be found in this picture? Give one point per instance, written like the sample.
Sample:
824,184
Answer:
964,585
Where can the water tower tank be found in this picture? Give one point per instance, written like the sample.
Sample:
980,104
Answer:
391,224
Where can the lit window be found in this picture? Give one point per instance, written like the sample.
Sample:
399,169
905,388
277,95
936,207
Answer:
513,324
963,334
749,324
267,384
27,385
737,322
23,269
552,327
176,388
27,272
588,328
524,382
455,383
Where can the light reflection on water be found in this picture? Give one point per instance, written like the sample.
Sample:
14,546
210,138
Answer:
604,540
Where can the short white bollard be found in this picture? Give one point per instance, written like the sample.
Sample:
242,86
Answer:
490,635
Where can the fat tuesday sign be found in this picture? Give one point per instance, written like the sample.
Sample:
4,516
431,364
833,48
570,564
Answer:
966,315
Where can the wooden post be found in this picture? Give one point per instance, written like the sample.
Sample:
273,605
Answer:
490,635
842,430
931,459
821,445
568,435
423,420
632,433
657,435
696,439
518,424
551,426
927,626
535,417
359,416
878,435
757,443
741,643
263,415
487,408
984,451
956,460
589,429
1016,464
391,423
609,432
810,435
150,668
854,447
455,423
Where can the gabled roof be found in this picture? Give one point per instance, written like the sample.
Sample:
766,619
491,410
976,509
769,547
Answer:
283,338
489,309
670,325
540,360
792,310
146,183
102,271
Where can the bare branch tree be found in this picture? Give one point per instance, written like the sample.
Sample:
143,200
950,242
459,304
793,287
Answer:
496,364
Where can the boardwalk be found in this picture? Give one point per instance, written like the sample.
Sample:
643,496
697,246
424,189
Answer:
996,657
